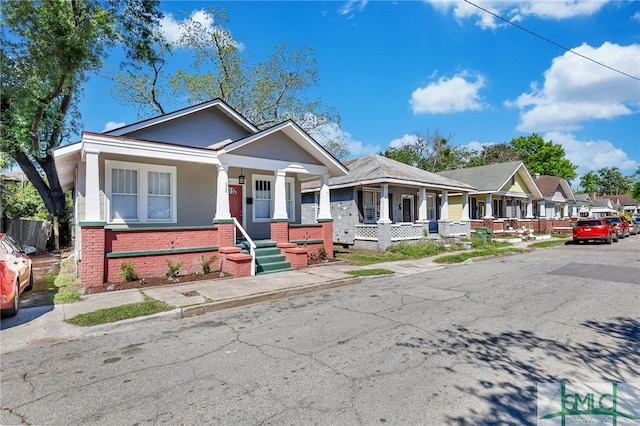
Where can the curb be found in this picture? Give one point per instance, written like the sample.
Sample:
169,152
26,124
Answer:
191,311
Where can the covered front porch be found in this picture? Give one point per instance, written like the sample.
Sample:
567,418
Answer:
419,213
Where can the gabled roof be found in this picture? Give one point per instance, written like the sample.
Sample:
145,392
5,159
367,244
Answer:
494,177
297,135
549,185
376,169
583,198
215,103
623,200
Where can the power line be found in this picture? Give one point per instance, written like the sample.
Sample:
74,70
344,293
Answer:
552,42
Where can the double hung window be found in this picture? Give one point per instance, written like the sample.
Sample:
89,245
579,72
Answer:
140,192
263,197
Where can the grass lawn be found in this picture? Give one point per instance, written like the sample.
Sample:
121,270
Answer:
119,313
369,272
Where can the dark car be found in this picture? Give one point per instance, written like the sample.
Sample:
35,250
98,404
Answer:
594,229
15,274
621,224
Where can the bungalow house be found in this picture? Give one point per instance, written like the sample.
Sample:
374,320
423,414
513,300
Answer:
583,205
558,198
626,203
602,207
382,201
504,199
192,184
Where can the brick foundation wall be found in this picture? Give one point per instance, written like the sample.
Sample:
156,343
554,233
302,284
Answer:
327,236
305,232
118,240
92,262
156,265
280,231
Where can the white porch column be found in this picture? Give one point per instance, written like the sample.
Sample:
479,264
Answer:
222,194
465,206
529,208
543,209
565,210
280,196
324,210
488,207
384,204
422,209
92,187
444,206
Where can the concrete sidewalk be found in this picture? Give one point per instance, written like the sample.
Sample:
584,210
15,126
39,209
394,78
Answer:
45,325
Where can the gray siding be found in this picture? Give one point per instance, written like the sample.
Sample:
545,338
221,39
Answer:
200,129
274,146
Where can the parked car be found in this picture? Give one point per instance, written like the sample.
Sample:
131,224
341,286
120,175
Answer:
593,230
621,225
16,275
634,225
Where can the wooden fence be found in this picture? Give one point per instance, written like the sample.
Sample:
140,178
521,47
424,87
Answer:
33,233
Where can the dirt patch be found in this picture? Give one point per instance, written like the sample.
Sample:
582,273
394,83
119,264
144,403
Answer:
154,282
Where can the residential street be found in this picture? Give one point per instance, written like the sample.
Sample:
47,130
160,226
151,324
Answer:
463,345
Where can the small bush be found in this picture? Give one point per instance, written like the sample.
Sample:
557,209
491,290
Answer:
205,264
322,253
128,272
173,269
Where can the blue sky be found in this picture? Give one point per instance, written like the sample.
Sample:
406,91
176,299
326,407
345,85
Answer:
391,69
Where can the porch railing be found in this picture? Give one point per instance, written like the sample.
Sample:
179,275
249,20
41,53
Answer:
399,232
252,245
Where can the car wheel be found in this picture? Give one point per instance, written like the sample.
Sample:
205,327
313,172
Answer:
13,310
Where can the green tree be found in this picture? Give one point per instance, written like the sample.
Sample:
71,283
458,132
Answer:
544,158
590,183
613,182
48,48
265,92
493,154
430,151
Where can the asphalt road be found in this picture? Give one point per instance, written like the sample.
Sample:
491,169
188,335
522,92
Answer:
463,345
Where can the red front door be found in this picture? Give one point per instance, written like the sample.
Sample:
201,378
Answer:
235,202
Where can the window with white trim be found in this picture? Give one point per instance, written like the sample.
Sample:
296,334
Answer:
263,197
141,193
371,204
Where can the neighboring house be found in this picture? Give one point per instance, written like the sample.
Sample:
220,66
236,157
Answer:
382,201
505,198
624,204
192,183
583,205
558,199
601,207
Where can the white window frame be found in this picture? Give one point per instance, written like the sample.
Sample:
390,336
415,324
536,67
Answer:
143,170
377,196
291,211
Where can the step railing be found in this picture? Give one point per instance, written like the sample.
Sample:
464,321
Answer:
252,245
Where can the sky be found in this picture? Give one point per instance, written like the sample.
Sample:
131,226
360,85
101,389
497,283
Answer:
567,70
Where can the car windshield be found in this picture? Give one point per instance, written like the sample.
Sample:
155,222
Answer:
614,220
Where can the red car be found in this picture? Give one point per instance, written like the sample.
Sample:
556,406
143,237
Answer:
621,225
15,274
593,229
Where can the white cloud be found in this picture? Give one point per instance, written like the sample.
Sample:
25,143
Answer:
576,90
331,131
636,16
516,10
455,94
402,141
173,29
112,125
592,155
352,6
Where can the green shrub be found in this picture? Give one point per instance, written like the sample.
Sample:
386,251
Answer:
173,269
205,264
128,271
322,253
